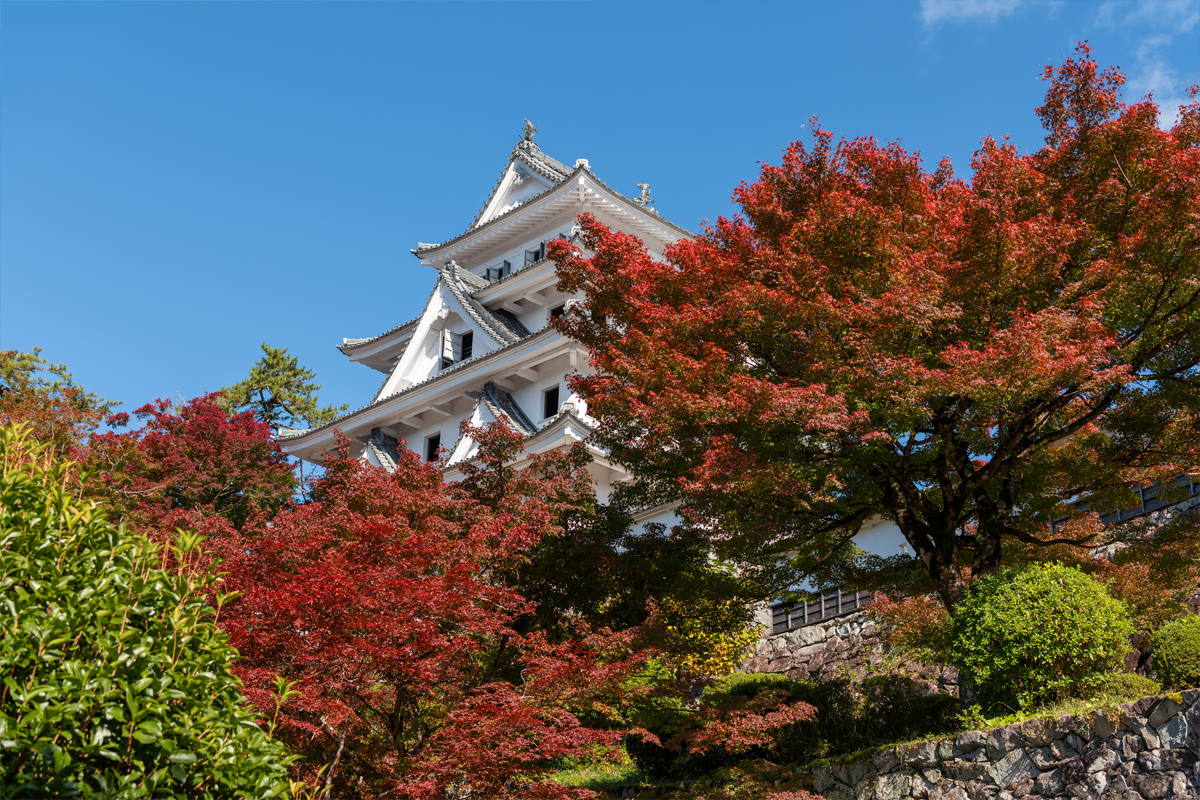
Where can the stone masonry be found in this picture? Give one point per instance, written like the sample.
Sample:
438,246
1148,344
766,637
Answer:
1146,750
843,647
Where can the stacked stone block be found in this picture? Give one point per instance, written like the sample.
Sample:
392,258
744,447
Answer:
1147,750
845,647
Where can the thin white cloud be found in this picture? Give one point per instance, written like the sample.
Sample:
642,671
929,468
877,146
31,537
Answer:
935,11
1151,74
1178,16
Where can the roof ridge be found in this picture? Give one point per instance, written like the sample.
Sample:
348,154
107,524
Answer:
523,147
652,213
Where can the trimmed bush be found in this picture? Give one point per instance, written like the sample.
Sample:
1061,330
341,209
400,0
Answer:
1118,686
1025,638
1175,648
116,680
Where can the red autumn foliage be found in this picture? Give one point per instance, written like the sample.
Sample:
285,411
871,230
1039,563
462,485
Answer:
917,624
191,466
965,357
384,600
739,727
60,414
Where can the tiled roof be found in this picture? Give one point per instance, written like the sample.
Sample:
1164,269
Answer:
386,449
471,279
295,434
678,228
503,326
502,406
538,161
501,403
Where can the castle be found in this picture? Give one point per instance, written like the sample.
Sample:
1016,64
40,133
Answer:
483,348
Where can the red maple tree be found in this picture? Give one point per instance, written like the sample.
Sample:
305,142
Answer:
964,357
386,602
192,466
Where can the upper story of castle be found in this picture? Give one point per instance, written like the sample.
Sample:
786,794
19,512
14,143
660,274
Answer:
483,348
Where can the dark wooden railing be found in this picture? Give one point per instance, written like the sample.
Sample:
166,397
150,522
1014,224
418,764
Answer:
789,616
1149,501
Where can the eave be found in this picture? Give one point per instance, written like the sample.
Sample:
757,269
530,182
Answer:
581,188
447,385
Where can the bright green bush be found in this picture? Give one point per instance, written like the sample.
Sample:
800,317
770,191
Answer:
1175,648
1024,638
116,682
1117,686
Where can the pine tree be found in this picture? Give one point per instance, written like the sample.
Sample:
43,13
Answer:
280,392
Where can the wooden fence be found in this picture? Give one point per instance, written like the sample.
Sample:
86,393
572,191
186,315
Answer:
789,616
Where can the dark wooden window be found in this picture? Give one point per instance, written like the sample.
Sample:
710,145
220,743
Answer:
535,255
456,347
499,271
550,402
431,447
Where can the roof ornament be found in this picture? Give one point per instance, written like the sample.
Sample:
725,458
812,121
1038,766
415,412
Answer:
527,136
644,201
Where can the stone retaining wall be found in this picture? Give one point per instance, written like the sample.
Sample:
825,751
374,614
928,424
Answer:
1146,750
844,647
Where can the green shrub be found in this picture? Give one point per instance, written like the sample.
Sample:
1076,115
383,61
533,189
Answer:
749,684
897,707
1175,648
1117,686
1024,638
116,680
879,710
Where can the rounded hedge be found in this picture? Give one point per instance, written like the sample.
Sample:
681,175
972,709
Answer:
1175,648
1024,638
116,681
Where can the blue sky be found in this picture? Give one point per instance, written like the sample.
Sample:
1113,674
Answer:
180,182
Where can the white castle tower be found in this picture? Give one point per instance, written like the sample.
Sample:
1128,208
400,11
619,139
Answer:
483,349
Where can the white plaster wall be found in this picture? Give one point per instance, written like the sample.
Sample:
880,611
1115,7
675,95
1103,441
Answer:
880,537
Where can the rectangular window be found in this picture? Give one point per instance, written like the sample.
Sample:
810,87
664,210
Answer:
456,347
499,271
432,445
550,402
535,255
557,311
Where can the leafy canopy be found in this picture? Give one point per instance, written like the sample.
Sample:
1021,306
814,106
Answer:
1027,637
117,681
189,466
872,340
44,396
280,392
389,600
